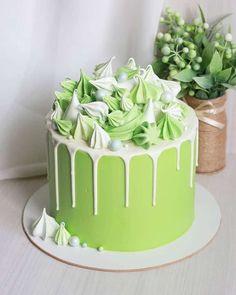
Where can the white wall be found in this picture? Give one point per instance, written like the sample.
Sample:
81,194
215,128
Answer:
44,41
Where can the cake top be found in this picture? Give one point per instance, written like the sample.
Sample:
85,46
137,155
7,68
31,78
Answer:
106,109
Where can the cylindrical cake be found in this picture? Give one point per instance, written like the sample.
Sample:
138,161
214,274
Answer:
129,200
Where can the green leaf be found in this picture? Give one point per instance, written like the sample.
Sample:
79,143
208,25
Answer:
198,38
182,93
201,14
159,68
201,94
185,76
224,75
233,81
205,82
216,63
207,55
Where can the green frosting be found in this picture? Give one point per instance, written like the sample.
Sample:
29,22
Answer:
116,118
69,85
119,108
112,102
143,91
120,92
146,134
131,120
129,72
84,127
130,69
62,235
64,99
170,128
85,99
63,126
84,86
126,104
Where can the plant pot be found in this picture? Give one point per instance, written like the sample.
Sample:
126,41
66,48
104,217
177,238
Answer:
212,139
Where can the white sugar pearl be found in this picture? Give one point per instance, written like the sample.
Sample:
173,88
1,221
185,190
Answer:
84,245
115,145
74,241
122,77
99,94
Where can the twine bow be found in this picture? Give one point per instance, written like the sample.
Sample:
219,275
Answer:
204,109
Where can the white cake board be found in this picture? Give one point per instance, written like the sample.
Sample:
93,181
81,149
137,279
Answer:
204,228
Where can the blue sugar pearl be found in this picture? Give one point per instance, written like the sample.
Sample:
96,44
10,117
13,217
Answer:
115,145
99,94
122,77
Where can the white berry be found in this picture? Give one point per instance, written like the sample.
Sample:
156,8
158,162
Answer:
228,37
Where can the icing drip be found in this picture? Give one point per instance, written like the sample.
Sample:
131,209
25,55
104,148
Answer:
154,178
178,157
95,184
127,163
72,173
56,174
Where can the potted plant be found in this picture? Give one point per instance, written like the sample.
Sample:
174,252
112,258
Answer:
202,57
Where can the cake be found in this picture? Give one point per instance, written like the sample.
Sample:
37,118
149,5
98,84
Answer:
122,151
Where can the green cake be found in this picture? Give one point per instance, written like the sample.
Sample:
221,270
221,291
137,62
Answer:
121,160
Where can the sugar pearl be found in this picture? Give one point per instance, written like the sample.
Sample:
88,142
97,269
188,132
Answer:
122,77
74,241
99,94
115,145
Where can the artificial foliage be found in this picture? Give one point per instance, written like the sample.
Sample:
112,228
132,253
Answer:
201,56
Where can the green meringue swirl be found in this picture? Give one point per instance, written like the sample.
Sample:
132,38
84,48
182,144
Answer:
170,127
112,102
146,134
131,120
143,91
63,126
84,86
116,118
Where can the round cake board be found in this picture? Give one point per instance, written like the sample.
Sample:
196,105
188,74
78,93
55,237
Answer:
202,231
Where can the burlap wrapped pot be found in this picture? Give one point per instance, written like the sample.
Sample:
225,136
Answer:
212,132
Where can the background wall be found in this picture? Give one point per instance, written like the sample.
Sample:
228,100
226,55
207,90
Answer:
42,42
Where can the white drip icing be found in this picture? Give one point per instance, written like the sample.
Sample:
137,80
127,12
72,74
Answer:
178,147
154,158
126,156
72,153
55,152
95,159
126,159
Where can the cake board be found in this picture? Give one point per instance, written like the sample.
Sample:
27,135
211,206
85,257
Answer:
205,226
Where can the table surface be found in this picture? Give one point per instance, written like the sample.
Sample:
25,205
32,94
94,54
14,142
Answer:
26,270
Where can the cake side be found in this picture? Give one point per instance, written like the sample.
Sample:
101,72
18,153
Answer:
159,206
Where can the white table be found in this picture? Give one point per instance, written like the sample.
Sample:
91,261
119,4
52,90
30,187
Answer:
26,270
